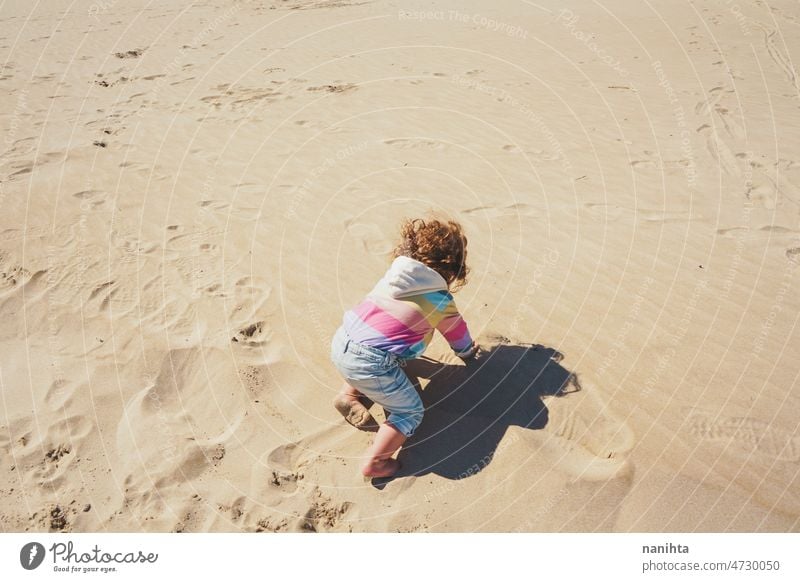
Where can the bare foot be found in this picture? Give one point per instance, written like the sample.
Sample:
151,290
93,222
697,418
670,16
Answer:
354,412
380,468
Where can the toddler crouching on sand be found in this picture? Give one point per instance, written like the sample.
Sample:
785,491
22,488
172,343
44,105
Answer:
395,323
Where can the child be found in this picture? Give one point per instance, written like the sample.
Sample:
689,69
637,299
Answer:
395,323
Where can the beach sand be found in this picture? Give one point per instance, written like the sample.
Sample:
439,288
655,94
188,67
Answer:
192,195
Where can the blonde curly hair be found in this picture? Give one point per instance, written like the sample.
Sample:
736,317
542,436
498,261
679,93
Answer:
441,245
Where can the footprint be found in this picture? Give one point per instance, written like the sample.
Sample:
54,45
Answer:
226,210
589,440
512,210
255,334
763,232
286,483
764,194
13,277
749,435
21,147
185,242
315,513
181,81
661,164
88,194
236,98
214,290
21,169
297,457
336,88
720,152
29,231
286,458
783,62
612,212
732,232
131,247
715,94
324,514
415,143
44,459
273,486
729,122
53,518
131,54
251,302
664,217
108,285
192,520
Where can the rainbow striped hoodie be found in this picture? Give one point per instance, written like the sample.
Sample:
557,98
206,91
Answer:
402,310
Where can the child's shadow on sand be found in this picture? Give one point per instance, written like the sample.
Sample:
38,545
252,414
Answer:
469,407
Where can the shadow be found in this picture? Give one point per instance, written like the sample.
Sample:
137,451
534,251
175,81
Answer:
468,407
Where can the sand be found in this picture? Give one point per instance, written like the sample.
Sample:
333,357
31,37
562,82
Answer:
192,195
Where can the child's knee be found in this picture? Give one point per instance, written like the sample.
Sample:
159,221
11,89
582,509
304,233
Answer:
408,421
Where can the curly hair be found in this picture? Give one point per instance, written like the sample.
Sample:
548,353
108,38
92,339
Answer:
441,245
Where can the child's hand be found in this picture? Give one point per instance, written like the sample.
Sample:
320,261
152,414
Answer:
471,353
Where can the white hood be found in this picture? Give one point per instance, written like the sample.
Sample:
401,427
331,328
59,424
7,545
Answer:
407,276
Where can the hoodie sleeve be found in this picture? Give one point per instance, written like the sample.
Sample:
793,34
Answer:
454,329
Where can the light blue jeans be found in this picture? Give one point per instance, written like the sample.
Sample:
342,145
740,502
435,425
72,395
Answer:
378,376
